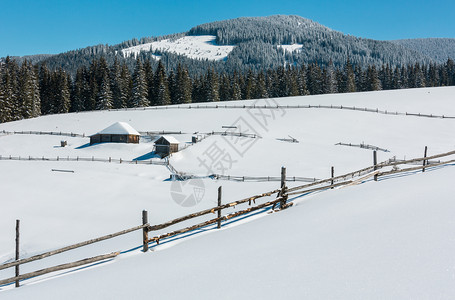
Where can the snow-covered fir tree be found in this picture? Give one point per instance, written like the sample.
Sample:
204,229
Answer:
139,94
105,94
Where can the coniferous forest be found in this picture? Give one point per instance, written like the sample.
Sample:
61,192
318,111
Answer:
28,90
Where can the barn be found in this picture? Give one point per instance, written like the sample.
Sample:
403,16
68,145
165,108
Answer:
166,145
119,132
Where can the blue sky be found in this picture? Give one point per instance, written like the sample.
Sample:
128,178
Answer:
34,27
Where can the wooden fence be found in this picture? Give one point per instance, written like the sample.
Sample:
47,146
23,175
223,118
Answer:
69,134
298,106
280,202
363,146
94,159
262,178
159,132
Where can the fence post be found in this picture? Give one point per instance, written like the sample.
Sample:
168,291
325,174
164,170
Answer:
424,156
375,162
283,194
17,250
145,232
333,175
219,204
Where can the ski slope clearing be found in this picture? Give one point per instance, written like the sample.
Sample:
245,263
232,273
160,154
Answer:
291,48
195,47
387,239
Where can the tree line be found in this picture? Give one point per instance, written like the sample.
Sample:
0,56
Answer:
28,90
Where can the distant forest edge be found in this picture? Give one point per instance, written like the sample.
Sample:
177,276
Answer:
29,90
257,40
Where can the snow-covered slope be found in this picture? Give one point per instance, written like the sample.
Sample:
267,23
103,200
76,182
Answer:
195,47
386,239
291,48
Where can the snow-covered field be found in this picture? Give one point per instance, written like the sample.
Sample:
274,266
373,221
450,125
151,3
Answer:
390,239
196,47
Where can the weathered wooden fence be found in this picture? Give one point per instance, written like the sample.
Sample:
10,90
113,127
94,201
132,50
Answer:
281,202
298,106
18,262
77,158
262,178
69,134
363,146
159,132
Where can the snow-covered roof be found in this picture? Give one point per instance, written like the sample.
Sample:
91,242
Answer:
119,128
170,139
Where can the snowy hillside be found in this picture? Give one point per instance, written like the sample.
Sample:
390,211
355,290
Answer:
291,48
389,239
195,47
201,47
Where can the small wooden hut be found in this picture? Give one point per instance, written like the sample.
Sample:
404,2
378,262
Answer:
119,132
166,145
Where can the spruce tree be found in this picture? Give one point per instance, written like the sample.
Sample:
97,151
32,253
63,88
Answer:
250,85
45,89
302,81
77,98
12,89
329,78
291,82
6,94
150,80
373,83
260,91
450,69
396,79
139,94
161,86
104,101
225,87
61,101
236,91
182,85
315,80
126,86
418,76
114,76
211,87
349,78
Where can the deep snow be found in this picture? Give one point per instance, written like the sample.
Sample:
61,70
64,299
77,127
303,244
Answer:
386,239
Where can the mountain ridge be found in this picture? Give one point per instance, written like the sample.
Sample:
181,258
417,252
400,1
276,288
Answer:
257,45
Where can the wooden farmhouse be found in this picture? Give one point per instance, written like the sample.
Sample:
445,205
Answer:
166,145
119,132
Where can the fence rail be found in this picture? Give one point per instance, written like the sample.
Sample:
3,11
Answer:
160,132
93,159
262,178
298,106
69,134
363,146
230,133
59,268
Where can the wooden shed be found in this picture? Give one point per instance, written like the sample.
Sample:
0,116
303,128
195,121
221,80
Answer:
119,132
166,145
